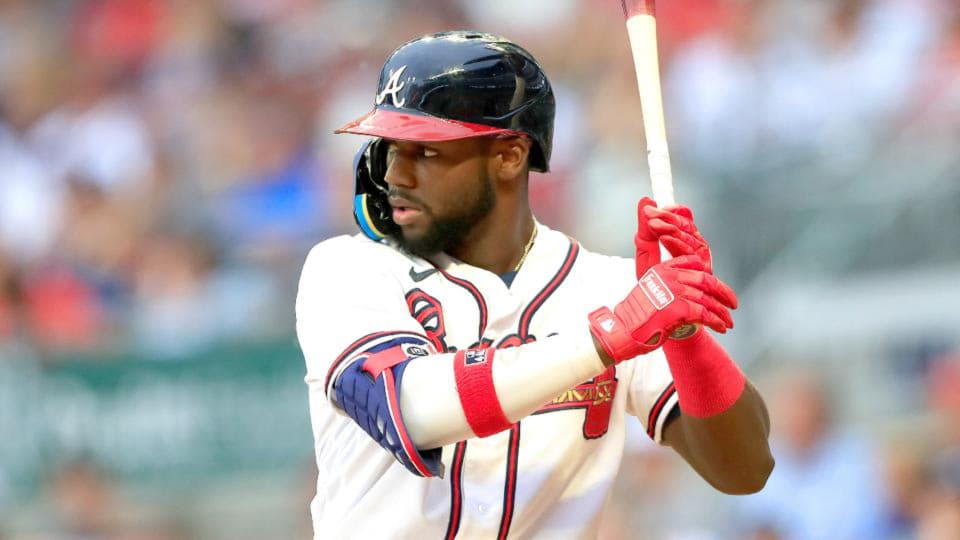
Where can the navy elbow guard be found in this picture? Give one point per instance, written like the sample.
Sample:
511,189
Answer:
368,391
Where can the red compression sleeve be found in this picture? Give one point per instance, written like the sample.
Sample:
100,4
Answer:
473,372
707,380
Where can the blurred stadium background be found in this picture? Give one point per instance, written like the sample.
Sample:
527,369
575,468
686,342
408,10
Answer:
166,165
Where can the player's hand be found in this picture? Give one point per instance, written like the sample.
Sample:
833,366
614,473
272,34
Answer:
645,241
670,294
674,228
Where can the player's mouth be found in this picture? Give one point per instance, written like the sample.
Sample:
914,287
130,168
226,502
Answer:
404,211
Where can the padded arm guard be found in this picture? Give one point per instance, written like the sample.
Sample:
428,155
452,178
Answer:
368,391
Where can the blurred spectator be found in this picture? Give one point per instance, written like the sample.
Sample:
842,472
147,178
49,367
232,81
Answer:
908,484
85,503
184,303
31,199
714,91
280,205
936,101
88,505
97,135
654,498
826,483
941,517
771,95
9,300
62,310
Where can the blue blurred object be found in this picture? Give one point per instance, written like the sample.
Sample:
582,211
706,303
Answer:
288,208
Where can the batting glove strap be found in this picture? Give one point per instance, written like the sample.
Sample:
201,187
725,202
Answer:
614,336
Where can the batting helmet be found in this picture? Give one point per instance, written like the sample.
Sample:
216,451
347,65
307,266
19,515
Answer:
455,85
443,87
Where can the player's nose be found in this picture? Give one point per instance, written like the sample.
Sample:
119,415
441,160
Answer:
399,171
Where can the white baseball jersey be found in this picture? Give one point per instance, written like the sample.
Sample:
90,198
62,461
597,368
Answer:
546,477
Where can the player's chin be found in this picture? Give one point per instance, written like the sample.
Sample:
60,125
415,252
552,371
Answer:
416,236
415,230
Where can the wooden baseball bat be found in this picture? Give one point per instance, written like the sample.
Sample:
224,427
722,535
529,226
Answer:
642,31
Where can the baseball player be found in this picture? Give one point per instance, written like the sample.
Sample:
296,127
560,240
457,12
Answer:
471,371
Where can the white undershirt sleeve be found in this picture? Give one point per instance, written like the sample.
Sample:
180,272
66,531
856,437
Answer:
525,378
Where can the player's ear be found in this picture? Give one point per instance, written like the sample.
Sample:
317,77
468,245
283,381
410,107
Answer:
510,156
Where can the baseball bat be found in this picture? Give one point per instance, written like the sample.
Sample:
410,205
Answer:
642,32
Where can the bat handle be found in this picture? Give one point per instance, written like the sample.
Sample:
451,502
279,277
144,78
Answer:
661,175
661,180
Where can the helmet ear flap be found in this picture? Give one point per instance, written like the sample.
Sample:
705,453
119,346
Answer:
371,208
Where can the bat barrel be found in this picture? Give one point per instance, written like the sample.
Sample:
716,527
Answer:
637,7
642,31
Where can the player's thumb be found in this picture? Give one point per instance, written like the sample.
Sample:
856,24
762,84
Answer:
645,241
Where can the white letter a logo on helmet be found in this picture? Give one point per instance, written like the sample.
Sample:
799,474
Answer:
392,88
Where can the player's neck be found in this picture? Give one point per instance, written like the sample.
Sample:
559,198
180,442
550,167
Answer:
497,243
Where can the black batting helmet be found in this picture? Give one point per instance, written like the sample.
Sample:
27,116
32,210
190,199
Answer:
455,85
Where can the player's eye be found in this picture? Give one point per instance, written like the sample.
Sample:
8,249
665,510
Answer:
429,152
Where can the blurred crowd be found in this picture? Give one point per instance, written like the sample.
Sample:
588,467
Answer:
166,164
830,481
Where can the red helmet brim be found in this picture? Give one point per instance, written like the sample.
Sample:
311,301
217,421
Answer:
417,127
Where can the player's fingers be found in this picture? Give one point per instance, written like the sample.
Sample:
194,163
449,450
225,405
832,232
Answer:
661,226
672,218
708,283
671,231
721,291
702,315
643,228
685,262
683,211
676,247
712,305
642,206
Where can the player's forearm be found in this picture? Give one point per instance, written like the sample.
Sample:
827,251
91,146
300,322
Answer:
524,379
723,429
728,450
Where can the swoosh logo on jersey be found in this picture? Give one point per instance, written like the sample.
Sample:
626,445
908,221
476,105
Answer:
420,276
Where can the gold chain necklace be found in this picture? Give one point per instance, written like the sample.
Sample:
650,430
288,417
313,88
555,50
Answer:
527,248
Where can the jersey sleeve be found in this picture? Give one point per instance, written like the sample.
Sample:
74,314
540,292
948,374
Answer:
651,393
349,305
357,338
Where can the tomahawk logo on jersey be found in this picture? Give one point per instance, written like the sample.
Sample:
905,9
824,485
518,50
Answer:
548,472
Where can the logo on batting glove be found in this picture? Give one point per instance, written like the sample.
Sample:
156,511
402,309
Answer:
656,290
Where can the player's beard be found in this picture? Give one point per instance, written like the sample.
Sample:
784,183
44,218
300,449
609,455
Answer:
447,232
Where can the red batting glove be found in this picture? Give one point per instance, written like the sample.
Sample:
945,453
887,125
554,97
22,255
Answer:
674,228
646,240
670,294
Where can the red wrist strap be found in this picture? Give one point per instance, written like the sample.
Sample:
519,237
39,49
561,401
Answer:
473,371
707,380
613,335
